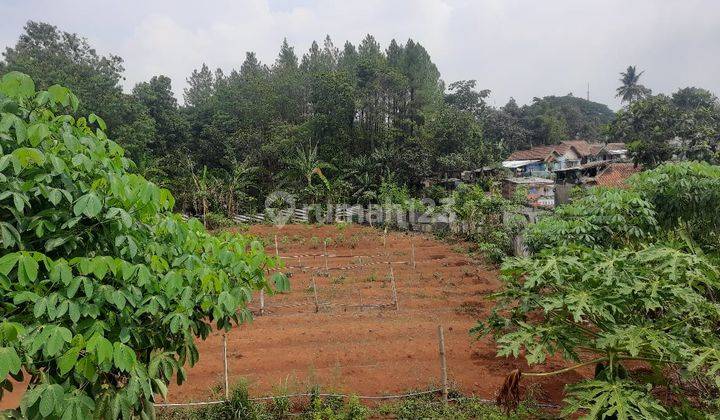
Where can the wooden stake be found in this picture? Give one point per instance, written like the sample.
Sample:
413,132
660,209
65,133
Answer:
262,302
277,253
225,361
317,305
325,255
394,289
443,364
412,247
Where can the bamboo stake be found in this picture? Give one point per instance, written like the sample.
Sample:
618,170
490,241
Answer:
314,286
325,255
394,289
262,302
225,361
443,363
412,247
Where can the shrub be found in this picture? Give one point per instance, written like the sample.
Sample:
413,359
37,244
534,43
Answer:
218,221
602,217
102,289
490,219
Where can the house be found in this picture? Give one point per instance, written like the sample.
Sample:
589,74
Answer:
600,173
540,191
615,174
541,160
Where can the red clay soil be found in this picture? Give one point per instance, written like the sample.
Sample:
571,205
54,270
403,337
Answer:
364,350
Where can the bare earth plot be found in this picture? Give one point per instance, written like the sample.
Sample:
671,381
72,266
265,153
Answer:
366,351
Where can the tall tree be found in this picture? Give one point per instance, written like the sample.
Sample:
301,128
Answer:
200,86
172,129
631,89
51,56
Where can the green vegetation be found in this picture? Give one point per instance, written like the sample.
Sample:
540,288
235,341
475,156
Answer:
102,288
317,407
490,220
624,276
333,123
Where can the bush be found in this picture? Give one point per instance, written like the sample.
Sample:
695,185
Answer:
218,221
490,218
602,217
102,289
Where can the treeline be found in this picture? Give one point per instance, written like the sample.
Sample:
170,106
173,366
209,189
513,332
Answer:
333,123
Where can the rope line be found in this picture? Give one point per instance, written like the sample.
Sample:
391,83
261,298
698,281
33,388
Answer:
306,394
346,267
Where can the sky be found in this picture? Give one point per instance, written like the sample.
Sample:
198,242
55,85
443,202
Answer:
515,48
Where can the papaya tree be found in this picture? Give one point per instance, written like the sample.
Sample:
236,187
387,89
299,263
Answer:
103,290
622,282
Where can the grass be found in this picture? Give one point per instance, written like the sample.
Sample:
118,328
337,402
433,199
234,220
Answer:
344,408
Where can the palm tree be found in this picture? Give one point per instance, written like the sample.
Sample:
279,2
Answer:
631,89
243,176
306,164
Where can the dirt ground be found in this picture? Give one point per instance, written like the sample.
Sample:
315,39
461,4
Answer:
357,349
358,342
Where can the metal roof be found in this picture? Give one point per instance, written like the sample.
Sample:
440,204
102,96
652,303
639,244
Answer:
513,164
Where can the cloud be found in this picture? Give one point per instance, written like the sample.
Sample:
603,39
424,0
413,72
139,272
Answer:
516,48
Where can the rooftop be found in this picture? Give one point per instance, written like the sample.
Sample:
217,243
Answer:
530,180
582,147
616,174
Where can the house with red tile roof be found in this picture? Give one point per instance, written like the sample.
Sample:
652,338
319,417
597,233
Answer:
615,175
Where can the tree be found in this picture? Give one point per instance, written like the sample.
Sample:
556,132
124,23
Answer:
464,97
157,97
51,56
103,290
621,278
305,165
658,128
200,87
631,89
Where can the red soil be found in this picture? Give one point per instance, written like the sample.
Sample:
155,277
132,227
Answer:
364,351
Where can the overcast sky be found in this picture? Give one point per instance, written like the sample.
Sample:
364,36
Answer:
516,48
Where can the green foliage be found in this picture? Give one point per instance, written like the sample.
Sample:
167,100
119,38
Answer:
618,277
602,217
686,192
429,407
631,89
103,289
684,126
620,399
490,218
218,221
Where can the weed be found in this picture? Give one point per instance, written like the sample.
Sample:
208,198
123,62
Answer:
354,241
339,280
